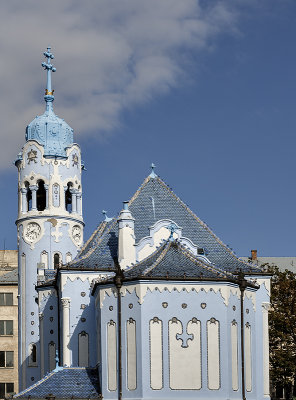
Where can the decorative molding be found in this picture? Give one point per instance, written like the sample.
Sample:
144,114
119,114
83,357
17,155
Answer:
152,241
141,290
156,353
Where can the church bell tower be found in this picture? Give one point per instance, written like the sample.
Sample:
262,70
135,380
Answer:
49,223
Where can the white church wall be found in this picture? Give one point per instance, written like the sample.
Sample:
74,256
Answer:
75,286
186,339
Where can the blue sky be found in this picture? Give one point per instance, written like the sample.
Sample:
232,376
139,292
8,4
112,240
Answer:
210,99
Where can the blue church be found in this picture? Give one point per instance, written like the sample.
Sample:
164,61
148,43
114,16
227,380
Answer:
152,306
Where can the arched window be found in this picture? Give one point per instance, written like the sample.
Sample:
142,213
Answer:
41,196
68,257
56,260
68,197
83,349
32,355
29,196
44,259
51,356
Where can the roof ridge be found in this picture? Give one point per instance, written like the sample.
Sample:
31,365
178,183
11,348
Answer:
51,373
211,267
98,228
164,251
139,263
193,215
93,248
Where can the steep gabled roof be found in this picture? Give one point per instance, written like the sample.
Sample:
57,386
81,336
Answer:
154,201
65,383
174,261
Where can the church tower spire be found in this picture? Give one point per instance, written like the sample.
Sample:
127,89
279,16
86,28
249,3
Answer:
49,97
49,227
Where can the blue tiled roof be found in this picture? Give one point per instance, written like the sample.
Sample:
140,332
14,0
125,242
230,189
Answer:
154,201
63,383
173,261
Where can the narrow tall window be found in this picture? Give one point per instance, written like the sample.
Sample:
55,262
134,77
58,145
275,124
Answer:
51,355
29,197
32,355
83,349
56,260
68,197
41,196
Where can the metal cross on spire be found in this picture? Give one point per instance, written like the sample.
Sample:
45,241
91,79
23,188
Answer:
49,68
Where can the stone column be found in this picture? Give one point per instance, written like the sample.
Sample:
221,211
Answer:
24,200
78,196
73,193
265,309
66,330
41,344
34,189
46,196
63,202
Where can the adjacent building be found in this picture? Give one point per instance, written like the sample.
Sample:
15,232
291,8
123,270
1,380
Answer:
8,323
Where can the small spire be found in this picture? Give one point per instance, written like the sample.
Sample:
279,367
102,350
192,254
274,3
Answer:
107,219
153,174
49,98
57,360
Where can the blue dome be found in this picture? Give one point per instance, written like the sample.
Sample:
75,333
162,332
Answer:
52,132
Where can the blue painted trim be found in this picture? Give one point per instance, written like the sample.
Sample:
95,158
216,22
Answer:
49,216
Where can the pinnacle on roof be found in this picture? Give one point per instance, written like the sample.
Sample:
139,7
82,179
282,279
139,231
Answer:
153,174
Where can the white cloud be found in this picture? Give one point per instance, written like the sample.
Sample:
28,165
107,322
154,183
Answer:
110,55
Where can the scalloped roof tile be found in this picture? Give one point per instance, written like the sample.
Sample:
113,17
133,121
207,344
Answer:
173,261
154,201
65,383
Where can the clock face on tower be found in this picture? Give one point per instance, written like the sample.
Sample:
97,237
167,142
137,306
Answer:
76,234
32,231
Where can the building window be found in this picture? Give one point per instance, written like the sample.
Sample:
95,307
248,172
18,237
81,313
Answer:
68,257
5,389
6,327
44,259
68,198
29,197
41,196
83,349
51,356
56,260
32,360
6,359
6,299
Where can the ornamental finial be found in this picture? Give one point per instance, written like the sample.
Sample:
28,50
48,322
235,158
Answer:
153,174
48,67
172,228
107,219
